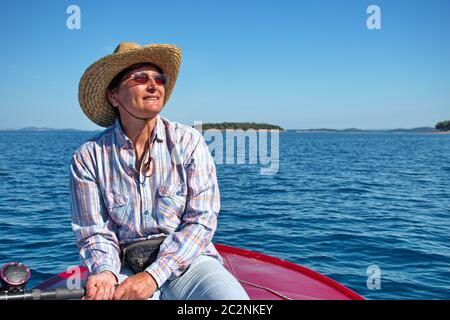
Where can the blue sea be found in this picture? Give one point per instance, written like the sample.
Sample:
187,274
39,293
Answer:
340,203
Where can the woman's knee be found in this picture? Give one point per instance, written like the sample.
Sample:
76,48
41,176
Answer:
206,279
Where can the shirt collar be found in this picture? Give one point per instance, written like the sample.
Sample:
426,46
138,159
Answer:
158,133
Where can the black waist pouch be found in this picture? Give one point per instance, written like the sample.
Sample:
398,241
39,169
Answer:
139,255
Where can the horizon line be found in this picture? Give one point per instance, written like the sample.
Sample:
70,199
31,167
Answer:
34,128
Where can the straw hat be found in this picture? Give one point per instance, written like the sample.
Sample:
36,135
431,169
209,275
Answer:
95,80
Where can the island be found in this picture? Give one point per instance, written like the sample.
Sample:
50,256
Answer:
240,125
443,125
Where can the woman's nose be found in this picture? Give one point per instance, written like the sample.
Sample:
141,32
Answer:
151,85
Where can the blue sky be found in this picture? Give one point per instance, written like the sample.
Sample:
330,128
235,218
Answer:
298,64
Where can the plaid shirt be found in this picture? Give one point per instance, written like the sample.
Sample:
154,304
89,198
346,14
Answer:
113,203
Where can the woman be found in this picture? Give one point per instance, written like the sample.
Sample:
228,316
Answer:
144,192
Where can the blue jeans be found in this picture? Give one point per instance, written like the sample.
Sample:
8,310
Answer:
205,279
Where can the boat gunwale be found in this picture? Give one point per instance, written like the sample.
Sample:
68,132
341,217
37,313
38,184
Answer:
244,253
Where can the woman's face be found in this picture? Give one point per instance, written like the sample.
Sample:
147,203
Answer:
143,99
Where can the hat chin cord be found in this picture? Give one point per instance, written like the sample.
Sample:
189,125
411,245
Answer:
150,158
123,107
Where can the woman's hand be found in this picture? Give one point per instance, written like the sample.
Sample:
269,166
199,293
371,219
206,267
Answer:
140,286
100,286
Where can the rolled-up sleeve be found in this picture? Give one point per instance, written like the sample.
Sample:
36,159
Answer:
199,220
95,233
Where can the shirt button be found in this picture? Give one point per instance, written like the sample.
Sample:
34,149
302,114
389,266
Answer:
146,212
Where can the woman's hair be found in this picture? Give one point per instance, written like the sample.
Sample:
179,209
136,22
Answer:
116,80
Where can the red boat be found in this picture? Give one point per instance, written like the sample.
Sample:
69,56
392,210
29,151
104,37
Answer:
262,276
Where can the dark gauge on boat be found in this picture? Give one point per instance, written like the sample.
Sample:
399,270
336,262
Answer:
14,276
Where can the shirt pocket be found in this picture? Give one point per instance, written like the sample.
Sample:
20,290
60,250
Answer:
170,205
117,204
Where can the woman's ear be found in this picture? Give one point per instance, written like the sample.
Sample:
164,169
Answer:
111,96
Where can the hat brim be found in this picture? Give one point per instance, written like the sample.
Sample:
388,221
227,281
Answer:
97,77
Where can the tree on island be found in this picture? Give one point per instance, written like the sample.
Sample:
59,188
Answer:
443,125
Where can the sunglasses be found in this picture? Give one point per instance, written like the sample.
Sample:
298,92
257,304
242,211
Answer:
143,78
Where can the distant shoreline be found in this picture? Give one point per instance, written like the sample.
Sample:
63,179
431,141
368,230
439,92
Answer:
355,130
420,130
46,130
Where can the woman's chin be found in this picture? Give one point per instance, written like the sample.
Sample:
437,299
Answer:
151,111
151,107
